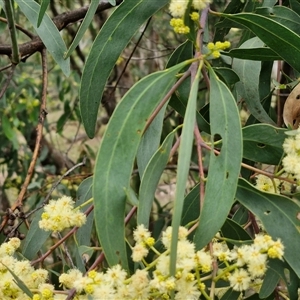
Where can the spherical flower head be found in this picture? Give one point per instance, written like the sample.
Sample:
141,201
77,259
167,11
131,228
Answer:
141,234
39,276
263,241
218,45
211,46
204,261
150,241
182,29
166,237
14,242
77,218
92,274
185,249
258,267
176,22
139,251
265,184
82,283
255,256
239,280
276,250
290,146
89,288
216,54
187,290
215,48
240,255
221,251
116,275
61,214
6,261
46,291
163,264
182,233
200,4
139,285
222,46
290,163
23,268
68,279
7,249
194,16
104,291
226,45
177,8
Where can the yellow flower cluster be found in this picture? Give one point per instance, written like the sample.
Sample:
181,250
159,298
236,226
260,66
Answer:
291,166
242,266
216,47
178,7
60,214
266,184
33,279
179,26
248,262
194,16
291,147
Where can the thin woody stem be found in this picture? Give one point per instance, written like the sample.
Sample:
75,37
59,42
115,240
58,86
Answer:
10,15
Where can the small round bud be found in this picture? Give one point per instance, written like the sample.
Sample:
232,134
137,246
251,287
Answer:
11,222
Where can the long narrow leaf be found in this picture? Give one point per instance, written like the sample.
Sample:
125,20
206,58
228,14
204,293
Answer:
185,151
83,27
110,42
151,178
247,87
284,271
260,54
223,169
35,238
116,157
263,143
48,33
278,37
150,141
44,6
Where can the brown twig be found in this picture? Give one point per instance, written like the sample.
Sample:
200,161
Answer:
200,165
6,67
61,21
25,31
39,130
271,175
129,59
55,185
166,98
9,77
26,216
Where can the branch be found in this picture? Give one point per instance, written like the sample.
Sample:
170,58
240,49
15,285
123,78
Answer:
39,130
61,21
9,12
25,31
9,77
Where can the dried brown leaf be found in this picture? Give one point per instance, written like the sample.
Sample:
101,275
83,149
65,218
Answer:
291,110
